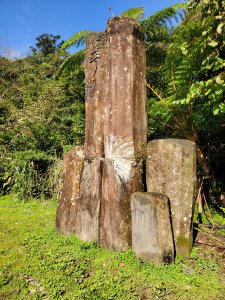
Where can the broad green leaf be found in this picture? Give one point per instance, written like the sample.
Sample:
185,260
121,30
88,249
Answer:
213,43
218,80
216,111
219,28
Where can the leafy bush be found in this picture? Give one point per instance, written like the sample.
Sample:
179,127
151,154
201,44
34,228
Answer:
31,174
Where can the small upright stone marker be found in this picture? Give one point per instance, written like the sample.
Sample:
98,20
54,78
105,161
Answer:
171,170
152,236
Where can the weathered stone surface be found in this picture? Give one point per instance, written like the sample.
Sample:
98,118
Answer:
87,223
171,170
95,67
124,130
125,116
68,200
115,133
119,180
152,235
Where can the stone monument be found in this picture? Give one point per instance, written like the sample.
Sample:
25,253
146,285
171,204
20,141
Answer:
102,197
171,170
152,235
115,136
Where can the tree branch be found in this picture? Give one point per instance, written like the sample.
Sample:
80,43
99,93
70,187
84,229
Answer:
155,92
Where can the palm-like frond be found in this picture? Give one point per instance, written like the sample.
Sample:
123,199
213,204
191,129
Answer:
78,39
75,59
135,13
164,16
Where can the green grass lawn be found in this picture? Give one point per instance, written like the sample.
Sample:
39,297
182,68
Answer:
36,262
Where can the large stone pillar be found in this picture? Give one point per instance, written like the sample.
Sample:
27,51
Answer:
124,129
88,212
115,133
171,170
69,193
125,116
95,75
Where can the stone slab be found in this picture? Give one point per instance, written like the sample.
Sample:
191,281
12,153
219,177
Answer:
88,212
69,192
152,235
171,170
120,179
95,69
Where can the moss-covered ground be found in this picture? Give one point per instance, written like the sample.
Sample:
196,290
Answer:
36,262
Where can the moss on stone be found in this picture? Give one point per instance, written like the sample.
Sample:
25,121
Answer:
183,246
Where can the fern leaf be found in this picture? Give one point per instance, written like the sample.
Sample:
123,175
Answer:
165,15
74,59
135,13
78,39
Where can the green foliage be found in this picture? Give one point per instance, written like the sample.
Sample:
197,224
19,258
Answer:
77,40
30,174
37,262
203,55
47,44
190,104
135,13
75,59
165,15
41,113
158,37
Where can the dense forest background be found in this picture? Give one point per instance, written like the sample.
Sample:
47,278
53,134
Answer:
42,99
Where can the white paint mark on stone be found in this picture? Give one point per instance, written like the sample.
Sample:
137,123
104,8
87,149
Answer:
121,152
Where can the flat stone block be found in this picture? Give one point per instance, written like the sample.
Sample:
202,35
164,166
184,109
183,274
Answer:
171,170
120,179
88,212
69,193
152,235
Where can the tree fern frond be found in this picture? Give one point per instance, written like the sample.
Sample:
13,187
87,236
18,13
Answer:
135,13
163,16
78,39
71,61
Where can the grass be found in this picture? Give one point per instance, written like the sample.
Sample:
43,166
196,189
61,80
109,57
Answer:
36,262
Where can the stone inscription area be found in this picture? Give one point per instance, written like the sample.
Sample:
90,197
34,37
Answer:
152,237
102,196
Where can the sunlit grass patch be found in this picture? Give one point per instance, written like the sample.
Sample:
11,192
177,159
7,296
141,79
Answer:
37,262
